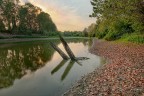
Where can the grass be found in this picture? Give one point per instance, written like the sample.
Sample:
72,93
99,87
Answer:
135,38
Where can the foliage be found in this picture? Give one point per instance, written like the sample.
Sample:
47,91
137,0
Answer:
101,29
91,30
72,34
2,26
45,23
118,17
16,60
111,36
85,32
24,19
136,38
101,35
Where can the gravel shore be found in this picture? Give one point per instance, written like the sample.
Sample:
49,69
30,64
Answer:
123,75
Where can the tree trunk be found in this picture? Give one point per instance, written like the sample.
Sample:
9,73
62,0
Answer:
63,55
14,27
67,48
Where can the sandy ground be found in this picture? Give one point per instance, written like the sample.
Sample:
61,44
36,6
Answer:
123,75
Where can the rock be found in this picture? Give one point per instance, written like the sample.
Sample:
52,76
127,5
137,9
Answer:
123,75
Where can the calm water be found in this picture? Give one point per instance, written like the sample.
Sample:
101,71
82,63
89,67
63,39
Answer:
35,69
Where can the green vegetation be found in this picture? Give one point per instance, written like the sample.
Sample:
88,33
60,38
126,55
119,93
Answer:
27,21
90,31
16,60
118,19
19,58
73,34
135,38
24,19
46,35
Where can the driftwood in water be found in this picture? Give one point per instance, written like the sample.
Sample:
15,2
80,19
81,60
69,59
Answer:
67,48
82,58
63,55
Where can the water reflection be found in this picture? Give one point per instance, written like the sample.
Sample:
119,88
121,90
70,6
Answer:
16,61
58,66
35,69
66,71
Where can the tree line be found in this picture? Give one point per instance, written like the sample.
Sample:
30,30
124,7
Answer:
117,18
72,34
24,19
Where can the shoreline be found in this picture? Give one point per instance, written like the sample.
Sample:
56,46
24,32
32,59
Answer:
15,40
123,75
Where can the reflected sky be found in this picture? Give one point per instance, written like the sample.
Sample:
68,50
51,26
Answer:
51,78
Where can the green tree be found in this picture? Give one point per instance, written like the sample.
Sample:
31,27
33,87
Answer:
91,30
119,16
24,19
85,32
9,13
28,18
46,24
2,26
23,11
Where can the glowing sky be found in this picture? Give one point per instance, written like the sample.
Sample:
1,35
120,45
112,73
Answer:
67,14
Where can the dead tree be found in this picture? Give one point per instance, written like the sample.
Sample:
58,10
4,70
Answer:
63,55
67,48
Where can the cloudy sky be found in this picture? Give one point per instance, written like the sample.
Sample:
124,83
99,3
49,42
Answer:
67,14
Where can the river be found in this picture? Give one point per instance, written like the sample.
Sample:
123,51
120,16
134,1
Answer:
34,68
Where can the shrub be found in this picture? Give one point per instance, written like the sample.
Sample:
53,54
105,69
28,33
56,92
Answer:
111,36
136,38
101,35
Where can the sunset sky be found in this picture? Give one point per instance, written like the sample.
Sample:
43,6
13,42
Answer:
67,14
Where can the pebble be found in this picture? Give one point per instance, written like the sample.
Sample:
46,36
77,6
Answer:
123,75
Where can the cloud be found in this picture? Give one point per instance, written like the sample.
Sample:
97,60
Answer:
65,16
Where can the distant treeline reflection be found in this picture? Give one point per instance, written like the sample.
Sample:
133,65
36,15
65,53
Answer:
16,60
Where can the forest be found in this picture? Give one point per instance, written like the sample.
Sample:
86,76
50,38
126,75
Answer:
118,20
115,20
16,18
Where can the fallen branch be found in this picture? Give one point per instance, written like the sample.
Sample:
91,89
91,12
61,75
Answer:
63,55
67,48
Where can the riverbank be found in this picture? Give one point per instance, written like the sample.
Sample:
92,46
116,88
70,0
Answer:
16,40
123,75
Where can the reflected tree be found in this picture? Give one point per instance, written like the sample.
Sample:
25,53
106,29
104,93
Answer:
67,70
58,66
16,61
72,61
